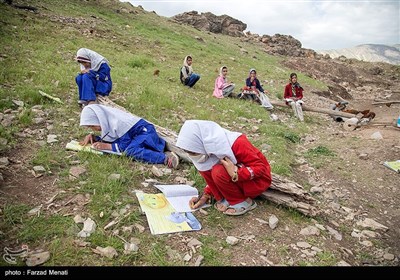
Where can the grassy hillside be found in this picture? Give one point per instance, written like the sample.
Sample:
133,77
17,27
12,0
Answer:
37,53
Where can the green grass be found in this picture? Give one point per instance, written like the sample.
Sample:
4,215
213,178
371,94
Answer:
319,156
211,253
322,259
320,151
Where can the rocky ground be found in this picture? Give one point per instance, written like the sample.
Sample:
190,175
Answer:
358,196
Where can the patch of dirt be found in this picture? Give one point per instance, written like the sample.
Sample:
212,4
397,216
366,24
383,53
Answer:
21,184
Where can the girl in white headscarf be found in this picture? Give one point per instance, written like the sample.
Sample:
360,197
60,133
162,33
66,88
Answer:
235,171
126,133
187,76
94,77
222,87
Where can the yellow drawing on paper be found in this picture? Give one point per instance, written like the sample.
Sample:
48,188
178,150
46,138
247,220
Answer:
162,217
154,201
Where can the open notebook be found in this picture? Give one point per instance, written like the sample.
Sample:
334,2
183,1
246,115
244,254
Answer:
162,217
394,165
179,196
75,146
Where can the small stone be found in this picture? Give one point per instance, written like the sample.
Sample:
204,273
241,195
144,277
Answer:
231,240
335,233
89,226
76,171
4,161
199,260
366,243
139,227
39,169
114,177
310,230
194,242
37,258
108,251
263,252
369,223
303,244
316,249
321,227
78,219
376,136
273,221
388,256
202,211
363,156
18,103
274,117
51,138
130,248
157,172
342,263
187,258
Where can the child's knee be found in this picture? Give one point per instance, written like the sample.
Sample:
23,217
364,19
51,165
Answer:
219,174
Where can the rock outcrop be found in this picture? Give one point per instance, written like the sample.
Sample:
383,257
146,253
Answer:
284,45
209,22
277,44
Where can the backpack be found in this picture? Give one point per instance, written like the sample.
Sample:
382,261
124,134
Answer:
184,81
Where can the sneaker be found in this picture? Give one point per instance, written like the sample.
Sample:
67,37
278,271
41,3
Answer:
171,160
82,103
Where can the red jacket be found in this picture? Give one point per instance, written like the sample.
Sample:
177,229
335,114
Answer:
288,91
254,174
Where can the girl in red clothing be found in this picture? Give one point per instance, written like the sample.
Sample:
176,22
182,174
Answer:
235,171
293,96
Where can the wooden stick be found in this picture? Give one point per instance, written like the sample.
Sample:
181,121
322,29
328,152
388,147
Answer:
318,110
388,103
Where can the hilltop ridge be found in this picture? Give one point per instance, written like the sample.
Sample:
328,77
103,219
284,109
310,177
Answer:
287,45
368,53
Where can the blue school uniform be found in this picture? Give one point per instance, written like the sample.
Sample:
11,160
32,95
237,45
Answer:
142,143
94,82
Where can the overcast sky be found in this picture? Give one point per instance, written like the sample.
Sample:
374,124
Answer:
318,25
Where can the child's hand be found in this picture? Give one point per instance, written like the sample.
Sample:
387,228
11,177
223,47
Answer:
89,139
102,146
196,202
229,166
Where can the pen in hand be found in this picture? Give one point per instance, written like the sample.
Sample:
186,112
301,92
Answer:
98,144
102,138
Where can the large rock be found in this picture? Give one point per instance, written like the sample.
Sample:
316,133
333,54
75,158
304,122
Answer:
276,45
209,22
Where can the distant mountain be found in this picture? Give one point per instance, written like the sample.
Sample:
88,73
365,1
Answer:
369,53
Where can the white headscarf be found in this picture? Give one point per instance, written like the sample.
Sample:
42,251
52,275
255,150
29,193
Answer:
113,122
207,138
251,70
95,59
187,65
220,71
